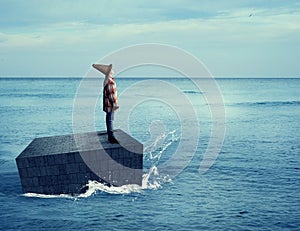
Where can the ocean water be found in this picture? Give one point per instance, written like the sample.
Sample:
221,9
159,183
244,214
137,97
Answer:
254,183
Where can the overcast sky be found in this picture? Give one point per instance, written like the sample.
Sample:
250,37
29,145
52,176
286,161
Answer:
256,38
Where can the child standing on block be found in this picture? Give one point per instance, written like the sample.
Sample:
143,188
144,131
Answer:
110,98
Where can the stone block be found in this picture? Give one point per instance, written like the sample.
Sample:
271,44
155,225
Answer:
65,164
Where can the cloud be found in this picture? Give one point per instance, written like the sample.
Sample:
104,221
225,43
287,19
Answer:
234,26
89,29
27,14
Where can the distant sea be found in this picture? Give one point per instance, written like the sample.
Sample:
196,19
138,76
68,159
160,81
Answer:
254,184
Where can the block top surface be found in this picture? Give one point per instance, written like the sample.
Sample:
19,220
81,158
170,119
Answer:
76,143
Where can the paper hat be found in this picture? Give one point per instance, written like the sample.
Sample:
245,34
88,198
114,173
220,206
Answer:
105,69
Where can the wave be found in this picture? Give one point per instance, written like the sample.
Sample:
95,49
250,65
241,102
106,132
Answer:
152,179
46,196
36,95
268,103
93,188
192,92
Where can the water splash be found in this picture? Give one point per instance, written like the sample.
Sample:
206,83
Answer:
94,186
152,179
153,152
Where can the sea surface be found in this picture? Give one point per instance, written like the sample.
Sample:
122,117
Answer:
253,184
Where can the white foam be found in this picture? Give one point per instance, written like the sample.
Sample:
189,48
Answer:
46,196
94,186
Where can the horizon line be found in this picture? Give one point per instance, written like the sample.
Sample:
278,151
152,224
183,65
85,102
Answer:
158,77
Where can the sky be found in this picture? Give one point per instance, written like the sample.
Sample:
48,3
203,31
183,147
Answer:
53,38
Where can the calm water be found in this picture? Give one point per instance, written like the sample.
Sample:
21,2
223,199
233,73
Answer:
253,185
